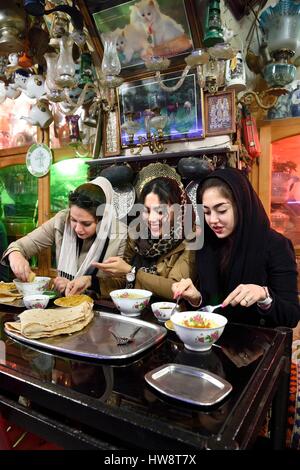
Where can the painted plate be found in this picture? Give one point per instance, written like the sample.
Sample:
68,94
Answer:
123,200
191,191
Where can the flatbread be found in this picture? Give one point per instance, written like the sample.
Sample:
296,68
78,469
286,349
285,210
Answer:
73,300
7,286
41,323
7,300
31,277
4,294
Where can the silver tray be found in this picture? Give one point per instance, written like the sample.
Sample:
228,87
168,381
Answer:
189,384
96,342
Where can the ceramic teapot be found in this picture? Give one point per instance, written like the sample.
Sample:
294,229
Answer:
39,114
35,86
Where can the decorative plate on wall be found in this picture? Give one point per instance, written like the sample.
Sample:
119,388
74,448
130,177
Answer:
123,200
39,159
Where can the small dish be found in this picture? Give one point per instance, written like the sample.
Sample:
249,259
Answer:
163,310
36,301
169,325
189,384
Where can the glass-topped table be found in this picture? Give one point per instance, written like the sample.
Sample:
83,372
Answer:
103,405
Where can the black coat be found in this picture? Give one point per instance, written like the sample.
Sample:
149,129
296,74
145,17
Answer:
258,255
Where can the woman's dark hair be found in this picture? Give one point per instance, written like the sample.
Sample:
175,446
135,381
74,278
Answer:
166,189
87,196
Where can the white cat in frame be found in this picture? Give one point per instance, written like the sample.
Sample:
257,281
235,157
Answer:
163,26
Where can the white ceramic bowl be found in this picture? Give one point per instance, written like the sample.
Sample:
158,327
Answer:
162,310
36,287
36,301
198,339
131,302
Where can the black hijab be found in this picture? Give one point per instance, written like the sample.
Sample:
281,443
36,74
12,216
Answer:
249,239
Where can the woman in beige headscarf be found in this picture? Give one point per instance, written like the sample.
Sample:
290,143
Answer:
82,233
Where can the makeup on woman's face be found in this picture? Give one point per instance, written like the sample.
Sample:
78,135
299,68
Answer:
218,212
82,222
156,213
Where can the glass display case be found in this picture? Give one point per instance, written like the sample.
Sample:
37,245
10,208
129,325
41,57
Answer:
285,194
277,178
65,176
19,202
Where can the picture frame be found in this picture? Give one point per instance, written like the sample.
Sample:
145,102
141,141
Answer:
241,8
183,108
220,113
111,144
113,18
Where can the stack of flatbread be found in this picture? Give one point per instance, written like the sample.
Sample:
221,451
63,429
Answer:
40,323
8,292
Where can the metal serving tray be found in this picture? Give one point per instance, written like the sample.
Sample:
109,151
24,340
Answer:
96,342
189,384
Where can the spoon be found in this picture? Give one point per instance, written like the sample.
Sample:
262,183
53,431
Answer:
210,308
175,306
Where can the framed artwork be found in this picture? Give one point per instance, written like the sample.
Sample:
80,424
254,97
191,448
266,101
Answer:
111,145
142,29
183,108
219,113
243,7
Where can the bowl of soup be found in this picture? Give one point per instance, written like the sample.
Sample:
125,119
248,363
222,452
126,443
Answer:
37,286
198,330
131,302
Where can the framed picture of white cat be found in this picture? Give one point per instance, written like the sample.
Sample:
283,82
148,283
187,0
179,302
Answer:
183,108
220,115
142,29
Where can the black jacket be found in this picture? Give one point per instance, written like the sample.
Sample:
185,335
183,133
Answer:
257,254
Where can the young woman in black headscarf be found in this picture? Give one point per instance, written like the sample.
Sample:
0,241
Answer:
244,264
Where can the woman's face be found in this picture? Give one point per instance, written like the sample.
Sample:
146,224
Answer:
82,222
156,214
218,212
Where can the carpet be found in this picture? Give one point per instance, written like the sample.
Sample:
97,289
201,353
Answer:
293,429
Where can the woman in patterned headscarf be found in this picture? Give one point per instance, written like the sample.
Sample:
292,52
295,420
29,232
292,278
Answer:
157,253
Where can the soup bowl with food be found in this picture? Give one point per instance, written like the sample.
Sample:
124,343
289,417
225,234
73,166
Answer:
198,330
131,302
38,286
163,310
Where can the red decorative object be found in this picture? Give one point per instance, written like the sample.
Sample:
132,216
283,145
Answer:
250,134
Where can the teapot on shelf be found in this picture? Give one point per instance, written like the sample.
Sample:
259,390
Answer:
39,114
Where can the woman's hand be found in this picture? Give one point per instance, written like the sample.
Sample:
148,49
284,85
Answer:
60,284
113,266
19,265
186,290
79,285
245,295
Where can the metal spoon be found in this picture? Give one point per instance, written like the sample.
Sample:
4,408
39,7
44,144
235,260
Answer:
175,306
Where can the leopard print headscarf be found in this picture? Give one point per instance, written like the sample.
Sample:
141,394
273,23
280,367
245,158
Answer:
154,248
